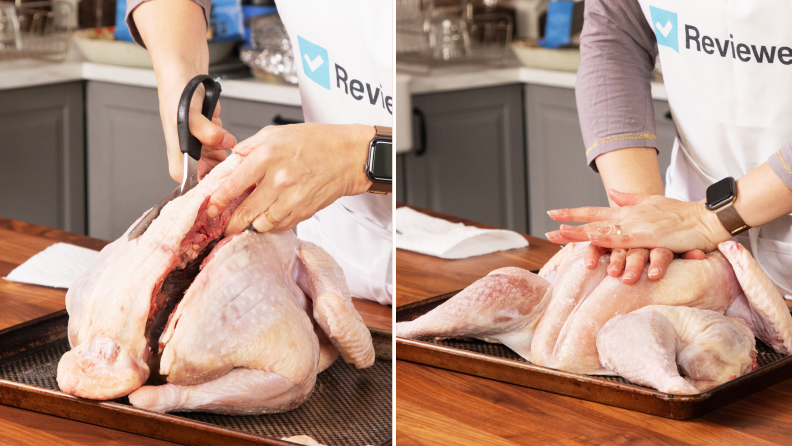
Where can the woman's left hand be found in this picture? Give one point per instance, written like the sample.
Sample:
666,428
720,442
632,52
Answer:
296,170
642,221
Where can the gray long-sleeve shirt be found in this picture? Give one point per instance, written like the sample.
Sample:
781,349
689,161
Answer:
614,99
130,21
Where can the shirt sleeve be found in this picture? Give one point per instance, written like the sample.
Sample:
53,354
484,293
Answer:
781,163
132,4
613,91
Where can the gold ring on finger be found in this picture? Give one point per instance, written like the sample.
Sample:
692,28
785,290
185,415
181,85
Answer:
618,229
272,221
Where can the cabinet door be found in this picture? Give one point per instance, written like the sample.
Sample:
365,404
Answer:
399,178
127,162
42,156
245,118
557,170
473,165
558,176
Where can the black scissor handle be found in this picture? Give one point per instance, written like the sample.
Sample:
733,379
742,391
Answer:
188,143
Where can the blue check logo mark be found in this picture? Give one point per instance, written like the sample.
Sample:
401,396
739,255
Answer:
664,29
664,24
313,64
316,63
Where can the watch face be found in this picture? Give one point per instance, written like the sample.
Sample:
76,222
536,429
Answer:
721,193
380,167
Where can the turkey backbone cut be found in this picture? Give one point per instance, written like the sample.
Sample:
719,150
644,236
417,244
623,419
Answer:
262,314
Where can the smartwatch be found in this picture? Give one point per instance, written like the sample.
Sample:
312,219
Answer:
720,200
379,167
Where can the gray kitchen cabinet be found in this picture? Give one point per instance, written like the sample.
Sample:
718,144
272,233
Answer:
42,156
399,178
558,176
127,162
473,162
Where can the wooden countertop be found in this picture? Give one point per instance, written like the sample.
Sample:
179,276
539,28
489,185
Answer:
20,302
435,406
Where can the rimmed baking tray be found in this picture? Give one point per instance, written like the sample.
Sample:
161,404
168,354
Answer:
348,406
498,362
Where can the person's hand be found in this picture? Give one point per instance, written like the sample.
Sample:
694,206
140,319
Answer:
214,138
642,221
632,261
297,170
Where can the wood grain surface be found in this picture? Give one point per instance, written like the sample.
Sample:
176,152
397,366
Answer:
440,407
21,302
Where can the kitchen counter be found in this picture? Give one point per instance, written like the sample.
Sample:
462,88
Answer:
439,406
21,302
30,73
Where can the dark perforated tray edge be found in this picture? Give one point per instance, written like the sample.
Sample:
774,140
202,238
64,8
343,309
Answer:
586,387
121,417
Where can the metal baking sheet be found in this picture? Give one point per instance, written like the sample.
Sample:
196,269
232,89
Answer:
348,406
498,362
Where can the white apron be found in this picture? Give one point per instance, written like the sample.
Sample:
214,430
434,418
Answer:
731,110
344,61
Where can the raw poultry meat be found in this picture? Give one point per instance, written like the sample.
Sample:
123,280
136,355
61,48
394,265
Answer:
571,287
707,284
268,355
650,345
111,305
569,317
502,307
764,309
223,347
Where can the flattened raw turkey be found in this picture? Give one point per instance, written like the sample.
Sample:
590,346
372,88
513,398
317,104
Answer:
728,290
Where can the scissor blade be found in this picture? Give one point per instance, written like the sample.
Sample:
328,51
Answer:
145,222
190,175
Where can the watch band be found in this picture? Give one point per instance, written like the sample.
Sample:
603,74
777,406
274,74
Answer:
384,132
382,188
731,220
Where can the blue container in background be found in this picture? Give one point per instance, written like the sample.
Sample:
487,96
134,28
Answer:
559,24
121,28
225,21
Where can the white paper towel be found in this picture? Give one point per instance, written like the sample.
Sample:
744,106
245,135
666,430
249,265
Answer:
440,238
57,266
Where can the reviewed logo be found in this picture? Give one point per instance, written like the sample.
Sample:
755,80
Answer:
664,24
315,62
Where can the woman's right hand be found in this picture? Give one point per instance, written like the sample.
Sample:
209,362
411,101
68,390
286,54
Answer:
175,35
215,139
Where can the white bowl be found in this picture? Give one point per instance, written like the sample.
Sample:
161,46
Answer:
534,56
99,46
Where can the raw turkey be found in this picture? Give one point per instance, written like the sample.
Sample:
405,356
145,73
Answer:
269,351
114,305
700,309
649,346
502,307
265,314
